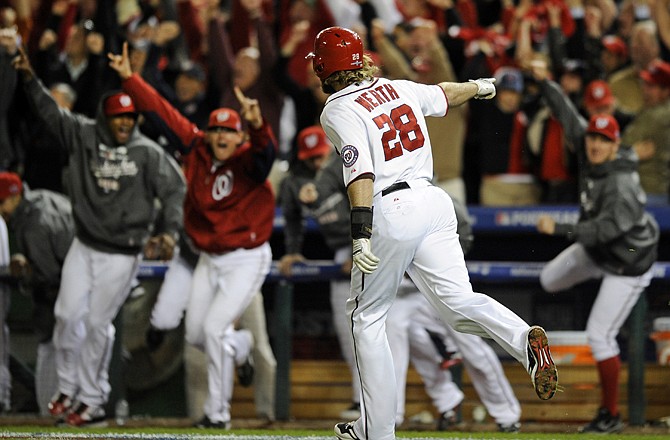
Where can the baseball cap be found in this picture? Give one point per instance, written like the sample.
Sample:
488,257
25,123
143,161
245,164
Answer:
312,142
658,73
10,184
598,93
118,104
226,118
509,78
615,44
605,125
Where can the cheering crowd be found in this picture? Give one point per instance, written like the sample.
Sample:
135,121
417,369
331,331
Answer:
167,129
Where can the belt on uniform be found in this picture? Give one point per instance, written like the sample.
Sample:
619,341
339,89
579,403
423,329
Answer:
395,187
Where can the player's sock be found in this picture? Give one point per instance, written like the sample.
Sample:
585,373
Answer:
608,370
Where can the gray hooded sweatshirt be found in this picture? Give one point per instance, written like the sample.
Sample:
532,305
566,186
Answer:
113,188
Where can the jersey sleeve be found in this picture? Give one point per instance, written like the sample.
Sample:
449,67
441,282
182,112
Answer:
348,133
430,97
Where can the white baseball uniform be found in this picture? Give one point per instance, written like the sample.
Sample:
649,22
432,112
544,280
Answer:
379,129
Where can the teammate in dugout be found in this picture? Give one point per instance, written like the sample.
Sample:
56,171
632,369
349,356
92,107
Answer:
616,241
228,215
115,175
378,127
43,229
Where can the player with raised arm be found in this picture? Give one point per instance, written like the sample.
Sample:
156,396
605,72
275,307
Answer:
378,127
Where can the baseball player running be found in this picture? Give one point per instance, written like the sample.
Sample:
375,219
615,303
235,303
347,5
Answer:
228,215
378,127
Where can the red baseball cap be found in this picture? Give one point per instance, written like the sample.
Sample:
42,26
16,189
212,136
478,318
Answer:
312,142
598,93
10,184
226,118
119,104
605,125
615,44
658,73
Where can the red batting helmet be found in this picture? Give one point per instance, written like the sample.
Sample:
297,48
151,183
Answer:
336,49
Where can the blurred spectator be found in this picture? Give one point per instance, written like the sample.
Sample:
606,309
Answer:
649,133
552,162
250,68
81,64
42,225
45,160
318,15
496,146
227,177
613,56
308,100
9,38
115,176
598,99
625,83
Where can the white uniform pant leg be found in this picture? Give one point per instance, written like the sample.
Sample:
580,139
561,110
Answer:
265,364
396,234
439,383
439,271
570,267
397,328
488,377
616,298
46,379
228,284
339,294
172,297
94,286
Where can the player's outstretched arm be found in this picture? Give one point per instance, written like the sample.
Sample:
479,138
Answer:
460,93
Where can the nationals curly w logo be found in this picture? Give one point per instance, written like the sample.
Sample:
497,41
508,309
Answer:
223,185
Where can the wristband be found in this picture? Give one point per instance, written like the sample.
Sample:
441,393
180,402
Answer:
361,222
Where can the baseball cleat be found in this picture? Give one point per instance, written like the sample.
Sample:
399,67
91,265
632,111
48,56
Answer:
345,431
604,423
59,405
87,416
207,423
541,367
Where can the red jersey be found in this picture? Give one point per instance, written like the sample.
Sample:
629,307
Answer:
229,204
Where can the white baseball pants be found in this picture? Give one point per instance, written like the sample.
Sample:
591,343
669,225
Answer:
94,286
222,288
414,231
616,297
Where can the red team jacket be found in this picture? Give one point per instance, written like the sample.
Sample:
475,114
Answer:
228,205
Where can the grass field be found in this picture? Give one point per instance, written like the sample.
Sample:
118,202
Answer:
162,433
